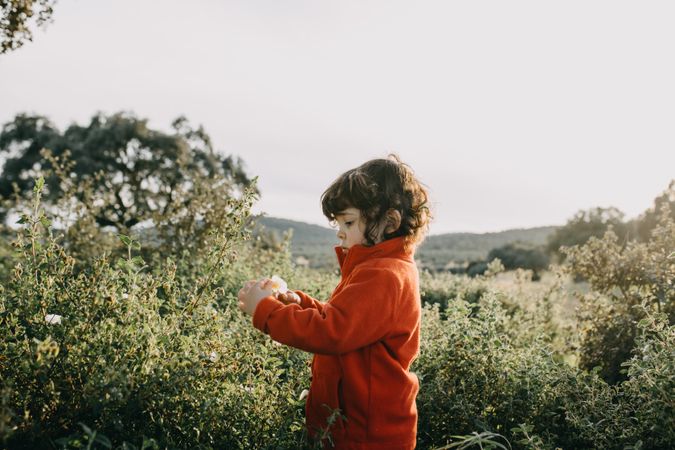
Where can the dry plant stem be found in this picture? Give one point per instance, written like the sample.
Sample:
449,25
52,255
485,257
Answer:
188,309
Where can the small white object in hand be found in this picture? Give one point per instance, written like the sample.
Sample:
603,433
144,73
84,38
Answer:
53,319
279,286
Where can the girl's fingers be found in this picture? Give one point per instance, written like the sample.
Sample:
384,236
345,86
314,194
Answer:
289,297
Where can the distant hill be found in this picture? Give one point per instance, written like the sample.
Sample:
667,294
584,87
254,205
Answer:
315,243
439,250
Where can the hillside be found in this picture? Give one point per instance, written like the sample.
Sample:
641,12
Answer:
439,250
315,243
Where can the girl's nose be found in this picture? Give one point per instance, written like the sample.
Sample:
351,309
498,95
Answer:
340,234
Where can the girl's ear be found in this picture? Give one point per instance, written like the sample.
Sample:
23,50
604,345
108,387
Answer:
393,221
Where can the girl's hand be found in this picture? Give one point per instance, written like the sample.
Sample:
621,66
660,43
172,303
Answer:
289,298
250,295
285,296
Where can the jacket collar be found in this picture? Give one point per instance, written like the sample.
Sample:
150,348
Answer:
391,248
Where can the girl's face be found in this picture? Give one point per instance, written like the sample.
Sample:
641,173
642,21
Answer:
351,228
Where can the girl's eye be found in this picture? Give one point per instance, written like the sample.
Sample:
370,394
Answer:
348,223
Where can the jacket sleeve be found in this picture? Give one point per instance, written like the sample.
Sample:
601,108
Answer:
307,301
360,314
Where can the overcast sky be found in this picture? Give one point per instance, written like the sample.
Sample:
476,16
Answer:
514,113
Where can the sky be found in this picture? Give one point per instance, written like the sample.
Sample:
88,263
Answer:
514,114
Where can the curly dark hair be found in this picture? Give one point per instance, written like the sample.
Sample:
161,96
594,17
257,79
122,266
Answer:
374,188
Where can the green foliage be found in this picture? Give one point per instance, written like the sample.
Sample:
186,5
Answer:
650,389
132,342
484,440
585,225
134,173
128,353
623,277
15,16
519,255
642,227
478,372
473,377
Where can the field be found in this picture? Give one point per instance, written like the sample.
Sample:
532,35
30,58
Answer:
117,343
126,239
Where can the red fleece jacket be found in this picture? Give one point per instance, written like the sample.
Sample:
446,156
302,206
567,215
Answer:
364,340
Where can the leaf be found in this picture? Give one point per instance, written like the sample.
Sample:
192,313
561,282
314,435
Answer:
148,443
39,184
104,441
45,222
137,260
126,240
122,264
85,428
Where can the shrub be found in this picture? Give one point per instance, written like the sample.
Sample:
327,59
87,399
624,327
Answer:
473,378
583,226
136,355
622,277
476,378
134,348
521,256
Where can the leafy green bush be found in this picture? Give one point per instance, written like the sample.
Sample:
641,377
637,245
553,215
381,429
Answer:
137,355
583,226
475,375
143,347
650,389
622,277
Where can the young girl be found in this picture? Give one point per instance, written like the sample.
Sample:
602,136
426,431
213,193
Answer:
365,337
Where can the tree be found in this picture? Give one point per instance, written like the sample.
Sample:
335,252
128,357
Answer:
14,18
134,172
648,220
584,225
519,255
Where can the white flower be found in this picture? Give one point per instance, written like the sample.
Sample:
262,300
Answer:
279,286
303,394
213,356
53,319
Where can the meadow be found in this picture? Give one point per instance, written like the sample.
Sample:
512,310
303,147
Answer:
123,247
112,342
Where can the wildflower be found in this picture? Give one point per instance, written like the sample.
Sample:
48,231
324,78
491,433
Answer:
53,319
213,356
279,286
303,394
